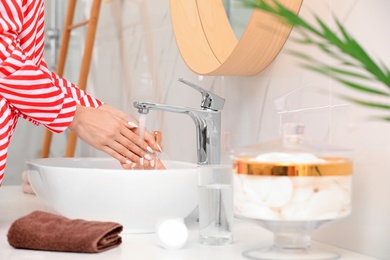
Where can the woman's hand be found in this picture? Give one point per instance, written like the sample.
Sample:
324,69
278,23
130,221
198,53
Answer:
115,133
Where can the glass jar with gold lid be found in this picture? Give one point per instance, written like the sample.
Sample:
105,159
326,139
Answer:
291,187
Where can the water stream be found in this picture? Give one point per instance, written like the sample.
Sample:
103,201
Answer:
141,127
141,130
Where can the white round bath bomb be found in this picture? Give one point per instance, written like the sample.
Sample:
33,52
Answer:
172,233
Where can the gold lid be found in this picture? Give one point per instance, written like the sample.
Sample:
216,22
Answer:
331,167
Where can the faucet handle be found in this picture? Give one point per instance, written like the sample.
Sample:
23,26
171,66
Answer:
209,99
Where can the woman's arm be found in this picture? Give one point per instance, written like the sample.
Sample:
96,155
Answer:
42,97
30,91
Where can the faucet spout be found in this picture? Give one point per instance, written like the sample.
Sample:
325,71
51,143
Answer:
144,107
208,128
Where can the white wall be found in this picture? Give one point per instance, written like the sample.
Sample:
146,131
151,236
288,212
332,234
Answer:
136,58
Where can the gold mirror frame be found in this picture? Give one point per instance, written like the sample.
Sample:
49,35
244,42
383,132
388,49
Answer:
209,47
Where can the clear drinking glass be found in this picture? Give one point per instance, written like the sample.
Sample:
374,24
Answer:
215,204
291,188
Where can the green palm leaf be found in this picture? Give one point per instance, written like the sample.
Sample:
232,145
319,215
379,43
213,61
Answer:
354,62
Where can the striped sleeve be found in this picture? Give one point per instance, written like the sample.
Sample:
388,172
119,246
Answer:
31,89
71,92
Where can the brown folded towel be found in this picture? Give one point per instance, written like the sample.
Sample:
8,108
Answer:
46,231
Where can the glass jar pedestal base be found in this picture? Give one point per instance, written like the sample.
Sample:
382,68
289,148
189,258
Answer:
292,241
290,254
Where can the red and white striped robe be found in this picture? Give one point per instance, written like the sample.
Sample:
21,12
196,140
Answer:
28,89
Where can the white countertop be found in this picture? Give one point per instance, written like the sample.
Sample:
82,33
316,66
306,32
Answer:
14,204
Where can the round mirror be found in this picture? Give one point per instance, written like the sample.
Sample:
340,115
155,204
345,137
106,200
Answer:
238,15
209,46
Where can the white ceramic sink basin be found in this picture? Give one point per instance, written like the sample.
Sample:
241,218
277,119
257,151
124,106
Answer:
99,189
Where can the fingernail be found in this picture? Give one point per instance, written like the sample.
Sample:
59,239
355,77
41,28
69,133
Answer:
141,161
128,161
152,163
132,124
150,150
148,157
158,146
133,166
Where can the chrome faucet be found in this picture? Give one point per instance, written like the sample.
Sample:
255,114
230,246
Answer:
207,121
